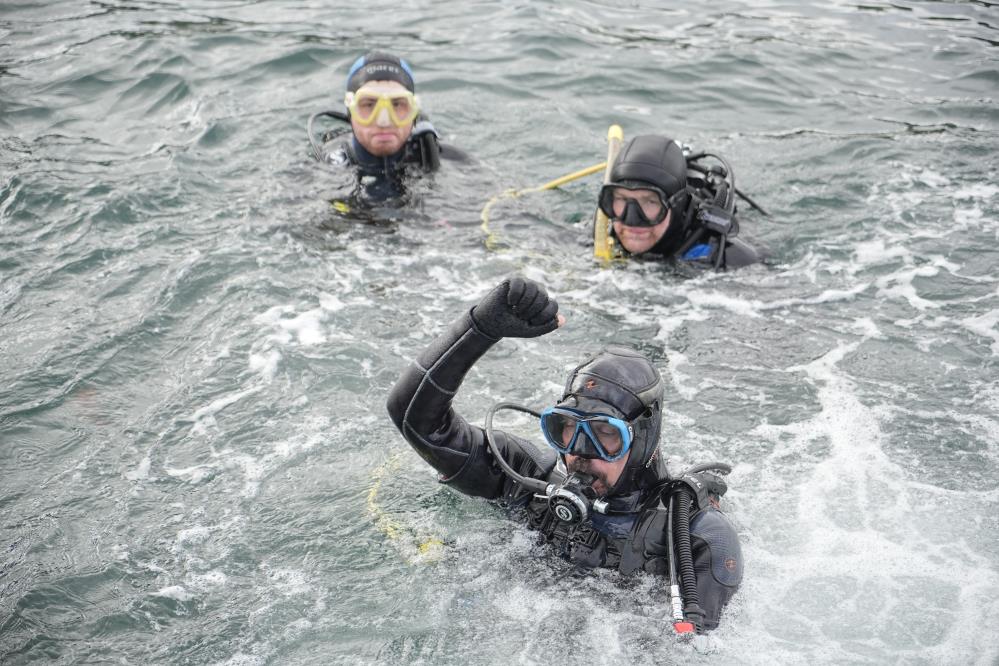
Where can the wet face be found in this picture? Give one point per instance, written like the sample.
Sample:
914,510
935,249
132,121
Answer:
606,473
382,137
637,240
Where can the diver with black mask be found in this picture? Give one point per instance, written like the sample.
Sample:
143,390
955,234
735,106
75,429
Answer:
664,202
389,137
600,493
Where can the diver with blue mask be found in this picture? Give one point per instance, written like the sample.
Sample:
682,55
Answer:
664,202
389,137
600,493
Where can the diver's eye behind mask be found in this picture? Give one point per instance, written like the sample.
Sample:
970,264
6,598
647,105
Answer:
366,106
586,435
634,207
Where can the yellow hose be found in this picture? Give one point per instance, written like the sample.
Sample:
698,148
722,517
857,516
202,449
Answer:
427,548
491,239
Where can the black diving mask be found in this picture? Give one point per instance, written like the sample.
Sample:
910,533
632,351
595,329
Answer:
637,204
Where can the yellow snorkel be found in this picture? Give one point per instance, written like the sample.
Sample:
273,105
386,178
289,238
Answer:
603,242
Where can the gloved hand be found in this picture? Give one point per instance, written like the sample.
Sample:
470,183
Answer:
516,308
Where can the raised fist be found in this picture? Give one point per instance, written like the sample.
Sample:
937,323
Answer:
516,308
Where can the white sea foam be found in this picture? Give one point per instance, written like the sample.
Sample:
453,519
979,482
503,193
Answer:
876,251
176,592
218,405
255,468
206,581
632,110
141,471
899,285
680,381
195,474
755,308
193,535
976,191
736,305
856,519
266,364
985,325
519,603
290,582
866,327
331,302
243,659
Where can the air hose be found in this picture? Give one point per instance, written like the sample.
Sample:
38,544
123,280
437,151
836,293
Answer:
684,492
317,150
685,560
534,485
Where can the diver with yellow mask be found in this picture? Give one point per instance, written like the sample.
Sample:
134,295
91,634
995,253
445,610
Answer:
388,135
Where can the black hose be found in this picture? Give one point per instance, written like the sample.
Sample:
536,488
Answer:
669,541
685,559
317,150
534,485
687,221
691,164
678,542
752,204
724,198
709,467
676,597
729,176
430,152
720,256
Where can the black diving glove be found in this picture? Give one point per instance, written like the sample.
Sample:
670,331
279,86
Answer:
516,308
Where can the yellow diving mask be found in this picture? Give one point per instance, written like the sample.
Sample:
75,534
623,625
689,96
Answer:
366,106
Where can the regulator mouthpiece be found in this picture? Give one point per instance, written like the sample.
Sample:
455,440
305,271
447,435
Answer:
572,501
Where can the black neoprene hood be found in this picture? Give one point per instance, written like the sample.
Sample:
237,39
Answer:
651,159
622,379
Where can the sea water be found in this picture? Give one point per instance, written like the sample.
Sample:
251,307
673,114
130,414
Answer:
196,347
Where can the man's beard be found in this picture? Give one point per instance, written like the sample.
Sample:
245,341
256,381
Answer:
600,485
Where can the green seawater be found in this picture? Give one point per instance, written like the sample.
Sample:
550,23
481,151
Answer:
196,465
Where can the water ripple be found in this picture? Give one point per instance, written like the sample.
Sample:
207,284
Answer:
197,347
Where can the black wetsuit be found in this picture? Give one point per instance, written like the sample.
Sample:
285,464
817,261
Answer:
738,253
382,178
688,243
631,541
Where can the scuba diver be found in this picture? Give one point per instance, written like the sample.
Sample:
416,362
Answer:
663,202
388,136
600,493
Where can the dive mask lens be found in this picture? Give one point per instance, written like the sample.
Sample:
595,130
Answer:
586,435
643,206
366,106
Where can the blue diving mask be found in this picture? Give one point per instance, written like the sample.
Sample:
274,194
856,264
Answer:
585,434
